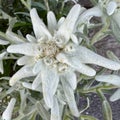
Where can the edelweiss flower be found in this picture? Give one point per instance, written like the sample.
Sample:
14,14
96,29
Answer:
7,114
54,56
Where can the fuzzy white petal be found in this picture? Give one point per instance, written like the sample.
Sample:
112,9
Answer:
14,38
31,39
25,60
88,56
76,64
29,86
70,77
38,25
4,42
111,7
60,22
25,48
112,79
69,23
38,66
7,114
52,23
50,81
69,95
25,71
115,96
36,81
55,112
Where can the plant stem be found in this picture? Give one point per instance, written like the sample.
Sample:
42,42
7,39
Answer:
47,5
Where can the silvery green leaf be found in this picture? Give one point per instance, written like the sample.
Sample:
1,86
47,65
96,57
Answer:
24,48
112,56
111,79
115,96
107,112
38,25
76,64
111,7
88,14
60,96
1,89
70,98
68,25
55,110
25,60
3,54
4,15
23,97
38,66
14,38
25,71
29,86
30,38
1,67
50,81
7,114
37,81
87,117
51,21
4,42
88,56
61,108
115,24
42,111
70,77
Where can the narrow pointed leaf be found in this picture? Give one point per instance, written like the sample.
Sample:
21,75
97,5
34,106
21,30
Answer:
7,114
115,96
42,111
112,79
107,112
111,7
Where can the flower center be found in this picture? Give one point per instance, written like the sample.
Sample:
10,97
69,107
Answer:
48,49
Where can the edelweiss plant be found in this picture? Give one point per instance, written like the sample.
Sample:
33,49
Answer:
55,61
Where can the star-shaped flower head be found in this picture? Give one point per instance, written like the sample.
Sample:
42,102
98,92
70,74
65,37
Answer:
54,55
